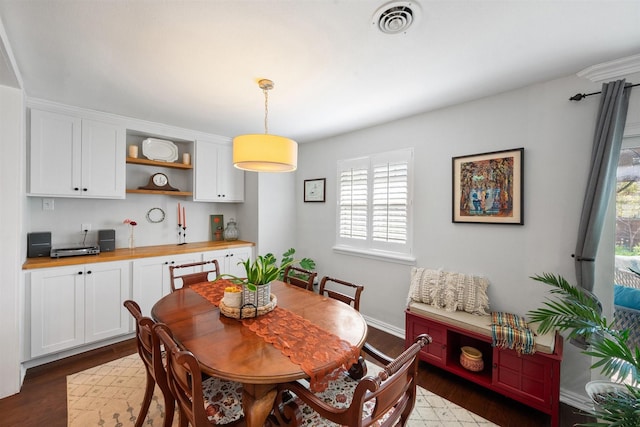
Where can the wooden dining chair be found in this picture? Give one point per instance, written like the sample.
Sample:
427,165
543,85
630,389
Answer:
341,290
388,397
213,401
299,277
193,278
151,354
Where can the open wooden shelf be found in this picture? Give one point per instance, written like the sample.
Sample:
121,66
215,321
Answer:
166,193
147,162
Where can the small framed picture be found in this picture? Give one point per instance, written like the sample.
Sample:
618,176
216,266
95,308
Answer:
217,227
487,187
314,190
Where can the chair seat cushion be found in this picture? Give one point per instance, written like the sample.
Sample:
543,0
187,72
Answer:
338,394
545,343
222,400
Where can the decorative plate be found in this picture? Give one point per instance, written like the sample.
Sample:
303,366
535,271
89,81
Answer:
159,149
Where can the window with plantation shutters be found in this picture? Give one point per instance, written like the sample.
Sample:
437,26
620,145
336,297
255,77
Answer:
353,203
374,203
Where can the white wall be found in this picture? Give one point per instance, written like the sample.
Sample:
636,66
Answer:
12,166
276,213
65,220
557,136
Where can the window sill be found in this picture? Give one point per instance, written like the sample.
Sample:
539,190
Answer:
377,255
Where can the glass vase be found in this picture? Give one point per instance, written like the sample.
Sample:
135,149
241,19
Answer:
231,232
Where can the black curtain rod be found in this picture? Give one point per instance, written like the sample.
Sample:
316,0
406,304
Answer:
579,96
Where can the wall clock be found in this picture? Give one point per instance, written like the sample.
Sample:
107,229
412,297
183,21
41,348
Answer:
158,181
314,190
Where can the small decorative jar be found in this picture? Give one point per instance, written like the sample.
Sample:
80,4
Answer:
231,232
471,359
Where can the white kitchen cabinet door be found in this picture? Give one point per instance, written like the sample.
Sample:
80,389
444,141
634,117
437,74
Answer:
237,255
107,287
230,178
228,260
57,309
55,154
151,278
219,256
75,157
103,160
216,180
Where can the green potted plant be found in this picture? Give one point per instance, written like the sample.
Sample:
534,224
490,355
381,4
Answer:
578,312
261,272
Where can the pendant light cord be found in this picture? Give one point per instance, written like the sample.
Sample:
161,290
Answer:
266,110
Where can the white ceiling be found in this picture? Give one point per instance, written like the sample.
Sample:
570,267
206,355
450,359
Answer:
195,64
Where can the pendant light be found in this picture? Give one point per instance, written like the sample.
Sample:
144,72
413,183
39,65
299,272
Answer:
264,152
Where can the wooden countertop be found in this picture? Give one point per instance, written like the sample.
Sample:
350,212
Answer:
128,254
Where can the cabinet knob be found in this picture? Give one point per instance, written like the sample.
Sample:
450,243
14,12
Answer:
495,366
79,272
89,272
76,189
84,189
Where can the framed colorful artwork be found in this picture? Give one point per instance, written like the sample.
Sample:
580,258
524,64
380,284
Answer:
488,187
217,227
314,190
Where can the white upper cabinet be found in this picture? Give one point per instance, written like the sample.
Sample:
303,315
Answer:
72,156
81,153
103,151
216,180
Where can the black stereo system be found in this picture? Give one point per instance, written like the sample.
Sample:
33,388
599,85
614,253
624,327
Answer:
39,244
107,240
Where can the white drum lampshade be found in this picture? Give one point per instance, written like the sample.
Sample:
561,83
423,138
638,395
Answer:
265,153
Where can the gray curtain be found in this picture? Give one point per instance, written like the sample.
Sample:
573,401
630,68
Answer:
607,141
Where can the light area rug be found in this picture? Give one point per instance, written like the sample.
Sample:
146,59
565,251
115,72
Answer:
111,395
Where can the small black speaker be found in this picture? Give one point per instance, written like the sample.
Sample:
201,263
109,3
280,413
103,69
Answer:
107,240
39,244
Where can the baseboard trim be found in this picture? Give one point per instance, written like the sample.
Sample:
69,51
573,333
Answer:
576,400
385,327
72,352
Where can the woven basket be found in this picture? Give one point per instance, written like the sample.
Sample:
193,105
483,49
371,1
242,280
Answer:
249,310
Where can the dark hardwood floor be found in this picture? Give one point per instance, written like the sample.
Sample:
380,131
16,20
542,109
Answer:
42,400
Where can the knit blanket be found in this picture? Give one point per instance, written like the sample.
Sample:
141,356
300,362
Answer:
512,331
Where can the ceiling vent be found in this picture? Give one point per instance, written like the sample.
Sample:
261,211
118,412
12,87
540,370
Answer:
396,17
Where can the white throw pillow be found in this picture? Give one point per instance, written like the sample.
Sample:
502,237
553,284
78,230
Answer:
448,290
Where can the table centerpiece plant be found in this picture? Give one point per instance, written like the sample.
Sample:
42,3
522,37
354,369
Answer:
579,312
262,271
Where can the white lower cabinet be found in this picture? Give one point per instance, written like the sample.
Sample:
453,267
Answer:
151,278
229,259
72,306
77,305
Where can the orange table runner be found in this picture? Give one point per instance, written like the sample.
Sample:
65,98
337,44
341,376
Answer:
304,343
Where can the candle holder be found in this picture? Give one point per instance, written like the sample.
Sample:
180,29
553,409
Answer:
182,234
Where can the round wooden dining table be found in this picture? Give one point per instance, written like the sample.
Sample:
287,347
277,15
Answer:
228,349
